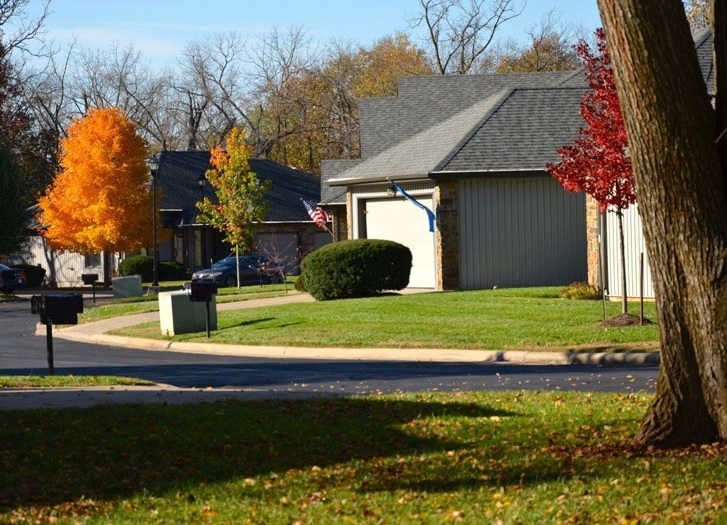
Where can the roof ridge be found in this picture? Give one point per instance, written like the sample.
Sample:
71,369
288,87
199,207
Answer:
500,98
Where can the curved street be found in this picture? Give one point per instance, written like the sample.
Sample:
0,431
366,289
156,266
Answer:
212,375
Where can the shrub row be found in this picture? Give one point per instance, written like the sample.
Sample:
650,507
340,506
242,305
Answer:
144,265
355,268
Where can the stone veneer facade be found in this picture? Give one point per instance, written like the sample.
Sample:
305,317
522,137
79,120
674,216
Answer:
446,202
592,245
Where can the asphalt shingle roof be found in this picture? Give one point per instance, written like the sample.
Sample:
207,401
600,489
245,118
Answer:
523,133
512,130
423,102
179,172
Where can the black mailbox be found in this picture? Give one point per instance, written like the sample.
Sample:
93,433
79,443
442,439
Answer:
202,291
89,278
61,308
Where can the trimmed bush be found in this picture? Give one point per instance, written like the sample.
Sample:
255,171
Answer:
580,291
144,265
172,271
33,274
138,265
300,284
356,268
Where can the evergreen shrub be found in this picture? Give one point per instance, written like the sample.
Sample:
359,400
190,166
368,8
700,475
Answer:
356,268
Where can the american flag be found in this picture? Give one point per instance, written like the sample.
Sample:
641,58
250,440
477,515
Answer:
318,214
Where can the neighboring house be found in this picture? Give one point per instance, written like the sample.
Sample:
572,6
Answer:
61,268
286,234
473,149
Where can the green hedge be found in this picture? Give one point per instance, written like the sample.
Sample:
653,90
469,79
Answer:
173,271
356,268
137,265
33,274
143,265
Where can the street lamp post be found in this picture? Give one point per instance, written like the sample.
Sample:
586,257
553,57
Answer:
153,164
202,182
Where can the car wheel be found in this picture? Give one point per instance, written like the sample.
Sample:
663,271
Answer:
230,280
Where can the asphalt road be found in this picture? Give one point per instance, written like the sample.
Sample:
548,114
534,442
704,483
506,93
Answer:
23,353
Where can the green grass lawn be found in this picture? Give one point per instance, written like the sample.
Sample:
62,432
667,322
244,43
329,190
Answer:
532,319
471,458
68,381
105,309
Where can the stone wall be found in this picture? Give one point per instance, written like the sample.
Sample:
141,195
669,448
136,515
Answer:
446,202
592,245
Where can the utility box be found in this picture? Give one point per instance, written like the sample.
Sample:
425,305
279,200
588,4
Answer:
179,315
59,308
129,286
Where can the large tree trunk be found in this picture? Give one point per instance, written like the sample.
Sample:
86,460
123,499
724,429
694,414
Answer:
682,200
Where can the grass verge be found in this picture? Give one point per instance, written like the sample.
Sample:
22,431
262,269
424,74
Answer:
497,457
150,303
532,319
68,381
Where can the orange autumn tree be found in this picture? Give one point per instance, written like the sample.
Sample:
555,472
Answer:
100,200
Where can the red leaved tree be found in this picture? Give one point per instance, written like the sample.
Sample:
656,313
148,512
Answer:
598,162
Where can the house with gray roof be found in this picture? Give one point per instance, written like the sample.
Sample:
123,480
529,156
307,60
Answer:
472,149
286,234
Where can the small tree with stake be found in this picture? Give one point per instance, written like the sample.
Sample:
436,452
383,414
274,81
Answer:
598,162
239,192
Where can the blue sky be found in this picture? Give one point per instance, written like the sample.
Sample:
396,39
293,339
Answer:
161,28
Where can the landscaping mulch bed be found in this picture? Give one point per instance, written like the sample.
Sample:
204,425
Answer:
625,320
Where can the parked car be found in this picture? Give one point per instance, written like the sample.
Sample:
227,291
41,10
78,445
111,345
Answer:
254,269
11,278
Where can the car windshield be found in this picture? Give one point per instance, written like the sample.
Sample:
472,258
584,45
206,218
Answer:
230,262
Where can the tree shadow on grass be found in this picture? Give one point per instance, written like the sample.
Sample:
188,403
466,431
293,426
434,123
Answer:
51,456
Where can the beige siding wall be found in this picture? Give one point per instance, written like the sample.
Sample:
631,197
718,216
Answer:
634,247
520,231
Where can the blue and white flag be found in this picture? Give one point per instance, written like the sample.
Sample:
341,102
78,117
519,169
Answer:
430,213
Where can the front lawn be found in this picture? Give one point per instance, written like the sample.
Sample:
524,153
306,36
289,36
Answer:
533,318
470,458
150,303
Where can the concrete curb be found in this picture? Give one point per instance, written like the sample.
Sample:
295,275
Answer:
444,355
96,333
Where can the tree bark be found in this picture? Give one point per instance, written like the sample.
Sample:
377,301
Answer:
682,199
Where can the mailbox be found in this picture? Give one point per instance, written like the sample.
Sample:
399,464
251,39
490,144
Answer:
61,308
89,278
202,291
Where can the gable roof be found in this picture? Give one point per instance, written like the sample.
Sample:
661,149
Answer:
512,130
476,123
424,101
180,171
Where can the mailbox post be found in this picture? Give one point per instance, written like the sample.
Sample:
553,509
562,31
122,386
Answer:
61,308
202,291
90,278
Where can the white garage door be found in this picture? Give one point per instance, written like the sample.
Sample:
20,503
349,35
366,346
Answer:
401,221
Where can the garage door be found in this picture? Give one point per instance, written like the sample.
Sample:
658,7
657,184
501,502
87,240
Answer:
401,221
520,231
